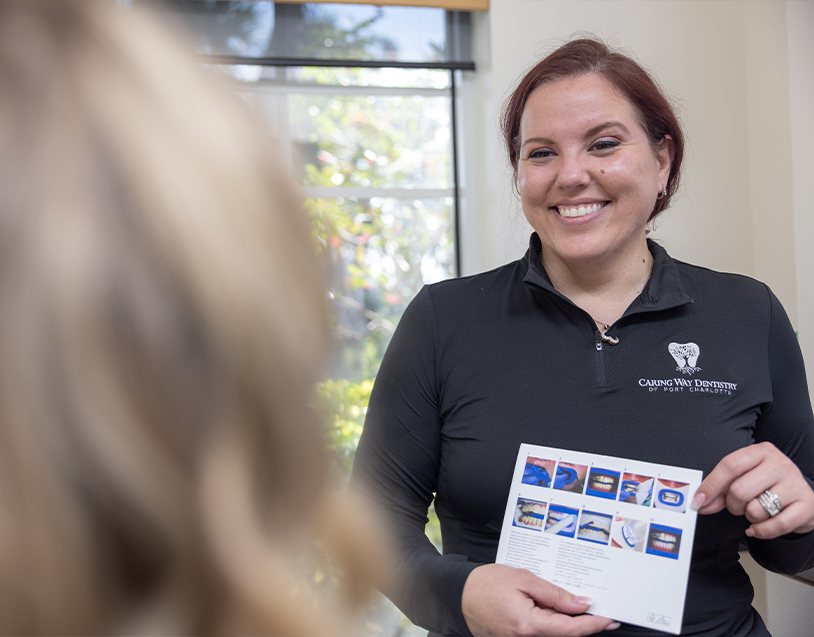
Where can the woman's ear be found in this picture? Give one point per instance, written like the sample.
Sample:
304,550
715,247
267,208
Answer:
665,151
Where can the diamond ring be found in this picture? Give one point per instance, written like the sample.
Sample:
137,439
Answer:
770,502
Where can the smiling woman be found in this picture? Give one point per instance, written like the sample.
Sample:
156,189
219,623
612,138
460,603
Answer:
577,345
596,151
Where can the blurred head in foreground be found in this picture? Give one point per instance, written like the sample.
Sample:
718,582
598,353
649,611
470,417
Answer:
161,325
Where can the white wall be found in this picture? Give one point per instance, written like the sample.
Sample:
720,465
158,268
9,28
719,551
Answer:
800,21
739,73
769,159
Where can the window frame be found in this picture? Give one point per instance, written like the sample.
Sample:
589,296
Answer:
280,88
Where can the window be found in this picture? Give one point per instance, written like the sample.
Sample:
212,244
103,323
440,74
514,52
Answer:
364,97
374,151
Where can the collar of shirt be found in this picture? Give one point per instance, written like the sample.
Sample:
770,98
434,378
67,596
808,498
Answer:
664,290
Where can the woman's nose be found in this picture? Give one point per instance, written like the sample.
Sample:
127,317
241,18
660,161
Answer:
573,171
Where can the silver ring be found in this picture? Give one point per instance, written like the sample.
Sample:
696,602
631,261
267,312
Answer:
770,502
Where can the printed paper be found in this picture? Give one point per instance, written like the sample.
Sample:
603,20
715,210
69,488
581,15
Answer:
616,530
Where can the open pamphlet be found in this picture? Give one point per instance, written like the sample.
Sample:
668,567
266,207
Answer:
616,530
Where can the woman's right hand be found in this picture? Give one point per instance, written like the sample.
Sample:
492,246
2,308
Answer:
502,601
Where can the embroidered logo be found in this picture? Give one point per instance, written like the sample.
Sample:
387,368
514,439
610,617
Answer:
686,355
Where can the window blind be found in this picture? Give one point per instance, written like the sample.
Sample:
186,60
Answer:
342,34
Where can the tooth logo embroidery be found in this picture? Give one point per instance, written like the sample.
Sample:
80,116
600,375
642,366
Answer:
686,355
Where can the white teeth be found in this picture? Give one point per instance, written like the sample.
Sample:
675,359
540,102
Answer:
579,211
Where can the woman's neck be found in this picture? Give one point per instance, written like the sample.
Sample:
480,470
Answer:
603,288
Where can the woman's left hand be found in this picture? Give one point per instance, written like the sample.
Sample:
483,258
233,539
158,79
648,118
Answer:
739,479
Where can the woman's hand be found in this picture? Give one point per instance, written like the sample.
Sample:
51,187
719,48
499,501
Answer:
502,601
737,481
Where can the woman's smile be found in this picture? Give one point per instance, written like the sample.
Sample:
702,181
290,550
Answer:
579,210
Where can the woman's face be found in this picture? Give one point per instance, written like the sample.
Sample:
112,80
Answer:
587,174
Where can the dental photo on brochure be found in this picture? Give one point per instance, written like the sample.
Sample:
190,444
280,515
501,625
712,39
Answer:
617,530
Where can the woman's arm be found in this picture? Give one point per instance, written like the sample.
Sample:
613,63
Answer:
782,461
397,463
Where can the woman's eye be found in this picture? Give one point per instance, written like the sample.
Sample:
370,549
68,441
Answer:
604,144
541,153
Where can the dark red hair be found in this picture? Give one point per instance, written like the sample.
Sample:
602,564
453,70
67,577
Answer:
627,76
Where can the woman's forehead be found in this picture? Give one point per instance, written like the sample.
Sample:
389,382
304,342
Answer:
576,105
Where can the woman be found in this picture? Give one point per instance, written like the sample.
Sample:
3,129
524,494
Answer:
162,322
557,349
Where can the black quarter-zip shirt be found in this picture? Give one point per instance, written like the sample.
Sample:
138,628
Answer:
705,363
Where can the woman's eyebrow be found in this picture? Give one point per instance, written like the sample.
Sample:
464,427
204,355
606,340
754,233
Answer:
605,125
536,140
589,133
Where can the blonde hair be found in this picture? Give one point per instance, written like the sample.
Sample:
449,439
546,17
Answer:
162,322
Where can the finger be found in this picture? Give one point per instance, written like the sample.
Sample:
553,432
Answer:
559,625
748,487
710,495
708,507
755,512
794,517
755,506
743,491
548,595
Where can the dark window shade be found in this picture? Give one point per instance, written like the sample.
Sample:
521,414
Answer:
325,34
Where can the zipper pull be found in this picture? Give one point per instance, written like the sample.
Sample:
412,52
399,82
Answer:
610,340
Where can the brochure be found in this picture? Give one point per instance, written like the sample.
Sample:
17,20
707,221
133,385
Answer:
616,530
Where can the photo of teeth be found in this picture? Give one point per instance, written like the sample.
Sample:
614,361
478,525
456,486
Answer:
594,527
570,477
529,514
664,541
538,471
636,489
671,495
628,534
561,521
602,483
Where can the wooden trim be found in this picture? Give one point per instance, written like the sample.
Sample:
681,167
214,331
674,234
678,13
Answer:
454,5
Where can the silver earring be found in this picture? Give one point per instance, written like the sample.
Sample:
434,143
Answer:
662,194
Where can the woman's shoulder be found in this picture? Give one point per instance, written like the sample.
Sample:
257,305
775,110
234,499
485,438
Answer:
466,297
480,284
728,292
704,279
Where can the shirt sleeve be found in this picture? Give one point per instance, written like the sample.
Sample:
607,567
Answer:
397,463
788,423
